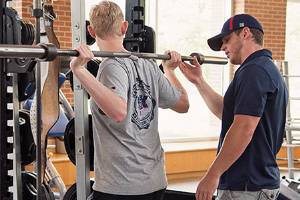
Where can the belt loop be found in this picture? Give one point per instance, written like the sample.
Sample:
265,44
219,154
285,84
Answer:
246,188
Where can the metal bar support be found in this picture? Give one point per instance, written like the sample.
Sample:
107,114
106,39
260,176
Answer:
80,107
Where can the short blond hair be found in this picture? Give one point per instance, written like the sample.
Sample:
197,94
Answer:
106,18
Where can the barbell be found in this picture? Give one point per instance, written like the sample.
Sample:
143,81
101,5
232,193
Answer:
48,52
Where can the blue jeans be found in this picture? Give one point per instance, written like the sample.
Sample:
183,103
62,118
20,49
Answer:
263,194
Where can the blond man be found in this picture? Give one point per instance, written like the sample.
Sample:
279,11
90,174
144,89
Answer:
126,94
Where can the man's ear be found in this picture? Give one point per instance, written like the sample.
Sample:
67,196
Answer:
124,27
246,32
91,31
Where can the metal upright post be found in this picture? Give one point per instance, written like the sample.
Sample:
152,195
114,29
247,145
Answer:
80,107
17,143
135,15
38,13
290,154
289,127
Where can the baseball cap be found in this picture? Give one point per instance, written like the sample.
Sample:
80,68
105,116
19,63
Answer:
232,24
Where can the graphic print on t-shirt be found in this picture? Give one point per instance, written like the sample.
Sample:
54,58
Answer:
144,105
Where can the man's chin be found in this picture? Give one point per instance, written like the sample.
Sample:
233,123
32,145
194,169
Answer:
234,62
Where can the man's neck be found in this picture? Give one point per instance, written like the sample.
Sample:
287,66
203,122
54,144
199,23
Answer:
250,49
112,44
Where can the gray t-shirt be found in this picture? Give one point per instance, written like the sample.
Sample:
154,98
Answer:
129,159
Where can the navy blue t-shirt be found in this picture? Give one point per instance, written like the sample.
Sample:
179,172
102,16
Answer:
257,89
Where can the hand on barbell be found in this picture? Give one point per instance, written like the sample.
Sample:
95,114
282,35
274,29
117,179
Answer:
174,62
85,55
192,72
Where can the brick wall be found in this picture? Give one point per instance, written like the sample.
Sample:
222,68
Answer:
272,15
62,27
62,24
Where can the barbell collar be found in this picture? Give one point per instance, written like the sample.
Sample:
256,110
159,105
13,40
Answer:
50,51
44,50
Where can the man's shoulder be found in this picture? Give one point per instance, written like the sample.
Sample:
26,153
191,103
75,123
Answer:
112,64
112,60
259,65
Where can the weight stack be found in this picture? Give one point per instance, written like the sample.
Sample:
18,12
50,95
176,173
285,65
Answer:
6,115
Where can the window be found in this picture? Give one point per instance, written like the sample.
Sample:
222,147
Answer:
292,56
185,26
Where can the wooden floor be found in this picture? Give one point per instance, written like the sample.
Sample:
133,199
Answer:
185,162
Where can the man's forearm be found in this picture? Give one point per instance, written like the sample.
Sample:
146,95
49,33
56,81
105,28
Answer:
236,141
171,76
213,100
102,95
182,105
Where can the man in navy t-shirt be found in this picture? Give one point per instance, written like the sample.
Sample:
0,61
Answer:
253,114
